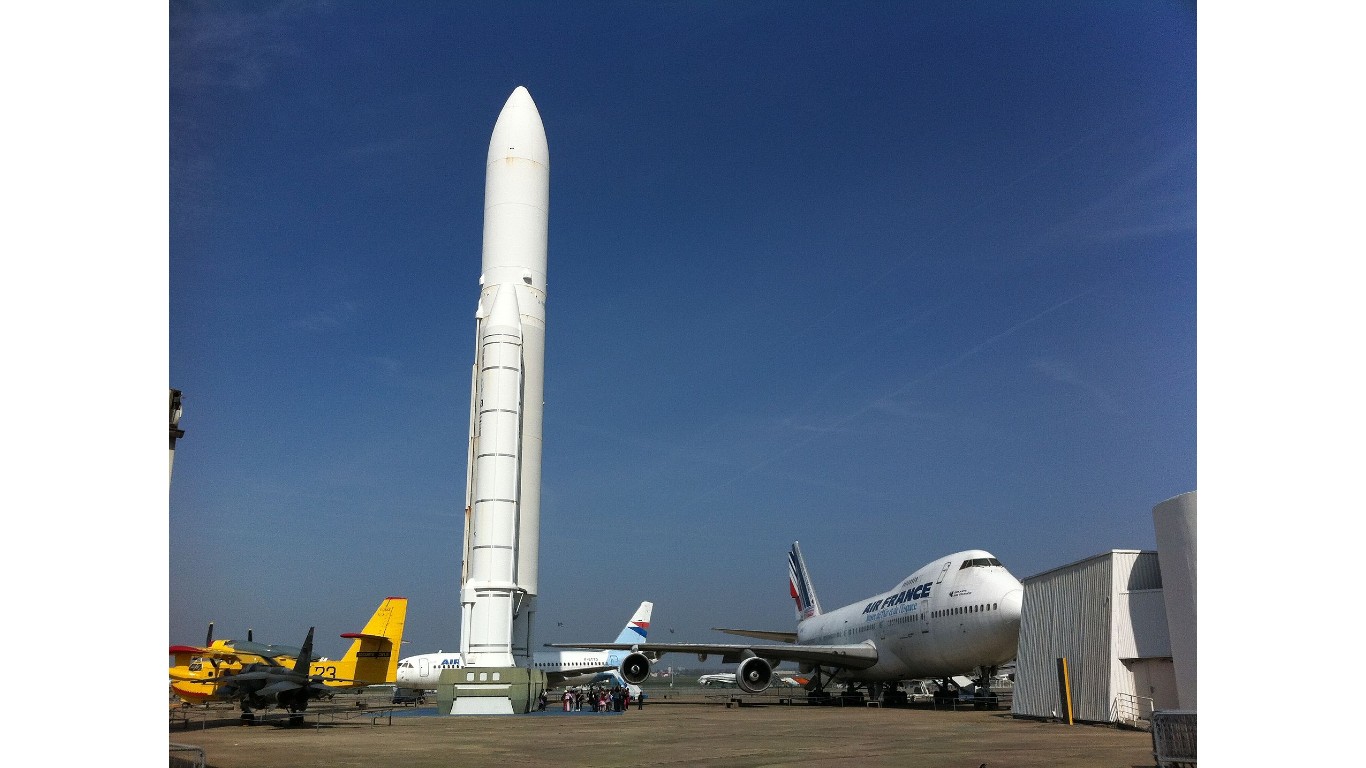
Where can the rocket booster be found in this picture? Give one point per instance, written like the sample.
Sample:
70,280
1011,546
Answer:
503,483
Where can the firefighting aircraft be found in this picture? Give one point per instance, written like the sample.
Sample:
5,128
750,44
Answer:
259,676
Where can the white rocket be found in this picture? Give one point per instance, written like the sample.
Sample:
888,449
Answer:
503,484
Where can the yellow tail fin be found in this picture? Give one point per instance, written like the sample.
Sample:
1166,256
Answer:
373,655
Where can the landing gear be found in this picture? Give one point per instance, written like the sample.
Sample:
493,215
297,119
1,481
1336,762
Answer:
818,697
248,718
815,687
983,698
945,694
893,696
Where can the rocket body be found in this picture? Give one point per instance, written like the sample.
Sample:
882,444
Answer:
503,482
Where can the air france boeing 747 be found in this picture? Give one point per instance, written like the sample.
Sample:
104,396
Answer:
953,616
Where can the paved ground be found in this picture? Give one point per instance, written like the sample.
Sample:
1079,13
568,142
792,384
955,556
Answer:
686,731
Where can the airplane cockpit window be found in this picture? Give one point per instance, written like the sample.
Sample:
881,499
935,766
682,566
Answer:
979,562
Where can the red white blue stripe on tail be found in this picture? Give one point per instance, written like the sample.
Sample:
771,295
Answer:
639,625
799,585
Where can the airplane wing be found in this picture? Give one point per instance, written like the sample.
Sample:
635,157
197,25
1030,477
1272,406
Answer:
213,653
558,676
222,654
853,656
279,686
762,634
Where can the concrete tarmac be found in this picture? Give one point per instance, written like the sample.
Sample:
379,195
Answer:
680,731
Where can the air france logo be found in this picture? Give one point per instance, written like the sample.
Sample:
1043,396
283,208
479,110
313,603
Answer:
918,593
799,587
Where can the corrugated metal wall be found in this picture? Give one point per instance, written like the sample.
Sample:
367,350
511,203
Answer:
1065,614
1081,612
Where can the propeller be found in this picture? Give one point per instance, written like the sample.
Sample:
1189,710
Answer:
208,643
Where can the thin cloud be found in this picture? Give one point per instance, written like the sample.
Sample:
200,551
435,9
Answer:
385,365
890,406
1064,373
213,47
336,316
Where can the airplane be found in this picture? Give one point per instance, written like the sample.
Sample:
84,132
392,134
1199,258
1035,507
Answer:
727,680
957,614
268,683
419,673
223,657
216,672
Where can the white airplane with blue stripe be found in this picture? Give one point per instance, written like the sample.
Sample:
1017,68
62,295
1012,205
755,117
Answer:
576,667
956,616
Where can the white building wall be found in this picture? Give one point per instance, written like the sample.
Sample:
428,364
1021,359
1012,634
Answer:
1175,523
1139,634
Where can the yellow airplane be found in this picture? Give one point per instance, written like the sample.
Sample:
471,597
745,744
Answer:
205,674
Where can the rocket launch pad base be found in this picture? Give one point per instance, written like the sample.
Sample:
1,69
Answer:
489,690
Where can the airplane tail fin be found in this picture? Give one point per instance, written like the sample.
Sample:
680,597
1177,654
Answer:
799,584
305,653
373,655
638,627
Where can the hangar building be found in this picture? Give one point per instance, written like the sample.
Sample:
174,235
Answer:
1106,637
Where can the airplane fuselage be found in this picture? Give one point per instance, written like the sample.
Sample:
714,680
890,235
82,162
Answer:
562,667
423,670
950,616
571,667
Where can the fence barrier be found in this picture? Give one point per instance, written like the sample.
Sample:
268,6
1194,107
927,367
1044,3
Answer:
1174,738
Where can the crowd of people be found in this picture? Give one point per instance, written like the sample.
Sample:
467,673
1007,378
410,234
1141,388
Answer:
595,699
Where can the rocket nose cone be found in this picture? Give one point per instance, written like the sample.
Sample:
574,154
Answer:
519,131
520,97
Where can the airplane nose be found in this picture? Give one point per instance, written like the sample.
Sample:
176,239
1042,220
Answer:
1010,604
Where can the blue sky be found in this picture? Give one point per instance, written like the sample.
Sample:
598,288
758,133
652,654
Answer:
891,279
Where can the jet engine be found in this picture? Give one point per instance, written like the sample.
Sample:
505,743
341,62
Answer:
753,675
635,668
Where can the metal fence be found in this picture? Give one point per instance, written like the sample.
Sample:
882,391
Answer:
1130,708
1174,738
186,756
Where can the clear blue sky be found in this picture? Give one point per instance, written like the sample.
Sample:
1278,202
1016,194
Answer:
891,279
